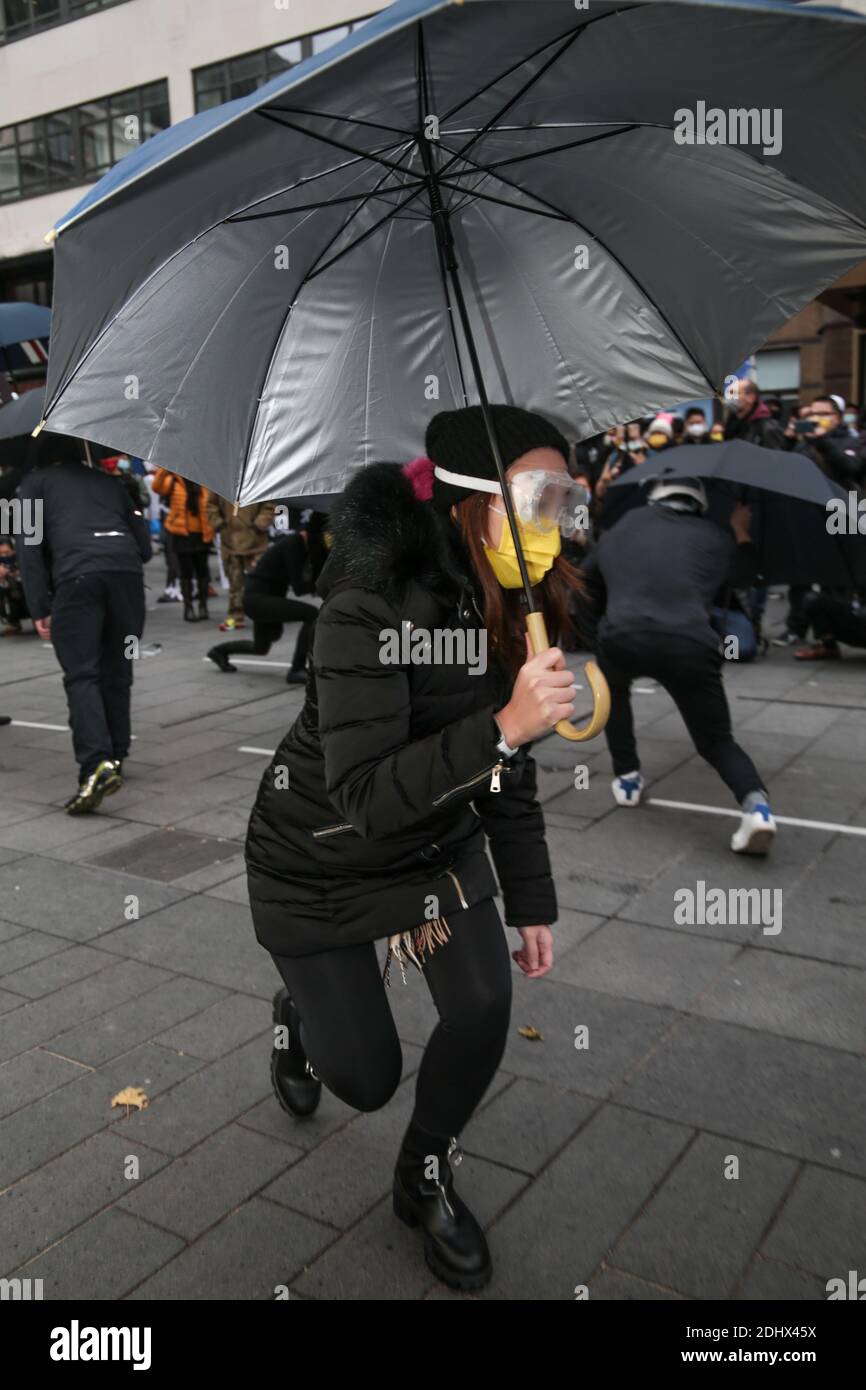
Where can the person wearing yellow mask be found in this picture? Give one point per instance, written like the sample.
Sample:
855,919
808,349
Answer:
660,434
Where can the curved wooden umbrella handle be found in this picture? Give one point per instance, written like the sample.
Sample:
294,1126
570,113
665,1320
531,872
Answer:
594,678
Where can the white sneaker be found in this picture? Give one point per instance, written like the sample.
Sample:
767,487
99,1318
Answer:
756,831
627,789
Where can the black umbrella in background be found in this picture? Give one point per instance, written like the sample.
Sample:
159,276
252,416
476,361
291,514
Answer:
788,494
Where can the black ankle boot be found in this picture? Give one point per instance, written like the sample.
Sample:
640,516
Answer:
296,1085
188,610
455,1247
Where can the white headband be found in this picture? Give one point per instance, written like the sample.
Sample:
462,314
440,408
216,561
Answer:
466,480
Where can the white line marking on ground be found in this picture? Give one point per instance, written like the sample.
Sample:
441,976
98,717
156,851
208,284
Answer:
253,661
780,820
268,752
26,724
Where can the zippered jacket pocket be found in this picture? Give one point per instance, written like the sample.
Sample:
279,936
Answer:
332,830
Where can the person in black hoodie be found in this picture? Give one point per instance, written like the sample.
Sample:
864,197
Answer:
372,820
655,576
84,585
291,562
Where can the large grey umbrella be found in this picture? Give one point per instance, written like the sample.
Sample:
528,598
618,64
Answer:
22,414
522,201
260,297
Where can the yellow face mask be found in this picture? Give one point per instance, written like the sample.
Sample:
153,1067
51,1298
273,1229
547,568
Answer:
540,549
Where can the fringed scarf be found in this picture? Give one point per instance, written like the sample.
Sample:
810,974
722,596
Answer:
419,941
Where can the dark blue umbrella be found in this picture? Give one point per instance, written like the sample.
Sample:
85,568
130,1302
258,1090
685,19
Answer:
20,322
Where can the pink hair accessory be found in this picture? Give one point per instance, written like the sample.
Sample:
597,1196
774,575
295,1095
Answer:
420,475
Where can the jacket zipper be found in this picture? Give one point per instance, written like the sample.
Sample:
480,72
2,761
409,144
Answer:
452,875
494,782
332,829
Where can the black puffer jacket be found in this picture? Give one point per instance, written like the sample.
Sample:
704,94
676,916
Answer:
390,767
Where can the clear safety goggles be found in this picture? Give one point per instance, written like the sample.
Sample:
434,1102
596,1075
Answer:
549,501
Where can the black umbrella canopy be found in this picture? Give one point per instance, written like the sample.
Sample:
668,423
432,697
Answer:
787,493
257,295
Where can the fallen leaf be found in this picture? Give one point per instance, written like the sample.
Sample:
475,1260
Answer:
131,1097
531,1033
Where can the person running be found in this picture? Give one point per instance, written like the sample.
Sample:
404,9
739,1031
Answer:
370,823
292,562
656,575
84,586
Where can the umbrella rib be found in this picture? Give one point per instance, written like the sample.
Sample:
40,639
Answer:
615,258
338,144
332,116
325,203
471,195
310,178
494,81
521,92
319,269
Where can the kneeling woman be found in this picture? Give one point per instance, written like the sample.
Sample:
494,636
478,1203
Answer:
408,756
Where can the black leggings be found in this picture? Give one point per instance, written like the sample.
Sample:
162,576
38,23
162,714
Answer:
193,564
349,1035
269,612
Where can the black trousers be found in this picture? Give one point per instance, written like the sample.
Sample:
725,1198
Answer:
833,619
349,1035
192,559
92,617
269,612
692,676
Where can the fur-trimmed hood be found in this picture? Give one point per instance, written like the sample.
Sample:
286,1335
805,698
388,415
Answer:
384,538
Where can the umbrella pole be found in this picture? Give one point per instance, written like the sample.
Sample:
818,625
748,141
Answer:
535,618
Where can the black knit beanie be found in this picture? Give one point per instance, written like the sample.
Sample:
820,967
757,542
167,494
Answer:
457,441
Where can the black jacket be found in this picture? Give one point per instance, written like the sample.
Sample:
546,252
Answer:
389,766
88,526
660,571
839,454
283,566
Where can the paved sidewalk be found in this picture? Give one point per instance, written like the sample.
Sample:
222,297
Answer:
602,1165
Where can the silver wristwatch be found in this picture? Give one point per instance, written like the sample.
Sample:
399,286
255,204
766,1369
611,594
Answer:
504,748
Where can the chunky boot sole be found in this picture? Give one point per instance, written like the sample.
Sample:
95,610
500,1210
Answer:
308,1089
405,1211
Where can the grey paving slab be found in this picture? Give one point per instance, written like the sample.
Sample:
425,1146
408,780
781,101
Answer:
591,1190
222,1026
137,1020
30,1075
204,1185
256,1250
525,1124
702,1194
47,1127
216,1094
20,948
202,937
74,900
769,1281
62,967
224,823
67,1190
814,1000
612,1286
166,855
103,1258
649,963
38,1021
794,1097
822,1226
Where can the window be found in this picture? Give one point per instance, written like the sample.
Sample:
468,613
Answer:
237,77
77,146
20,18
779,370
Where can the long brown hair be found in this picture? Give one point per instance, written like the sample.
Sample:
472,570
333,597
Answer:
504,612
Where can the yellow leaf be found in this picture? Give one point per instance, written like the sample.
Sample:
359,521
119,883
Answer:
531,1033
131,1096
